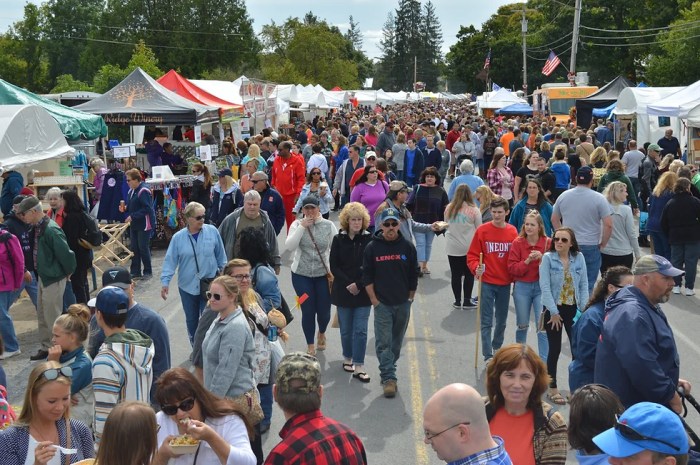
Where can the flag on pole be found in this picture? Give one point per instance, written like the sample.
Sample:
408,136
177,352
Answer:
487,62
495,87
550,65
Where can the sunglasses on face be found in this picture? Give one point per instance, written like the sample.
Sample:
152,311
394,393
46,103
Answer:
53,373
186,405
372,172
633,435
199,218
563,240
390,224
213,296
316,173
255,181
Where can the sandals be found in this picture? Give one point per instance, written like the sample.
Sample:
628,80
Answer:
349,367
321,344
557,398
362,376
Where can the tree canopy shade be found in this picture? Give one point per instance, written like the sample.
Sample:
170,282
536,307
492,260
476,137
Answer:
74,124
606,96
139,100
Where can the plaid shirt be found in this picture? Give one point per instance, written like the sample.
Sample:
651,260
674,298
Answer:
494,178
494,456
310,438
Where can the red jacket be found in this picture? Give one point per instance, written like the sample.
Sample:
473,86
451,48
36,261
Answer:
519,251
452,137
289,175
495,244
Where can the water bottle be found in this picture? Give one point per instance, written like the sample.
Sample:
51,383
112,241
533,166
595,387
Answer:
272,333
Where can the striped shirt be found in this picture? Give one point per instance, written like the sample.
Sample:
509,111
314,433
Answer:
494,456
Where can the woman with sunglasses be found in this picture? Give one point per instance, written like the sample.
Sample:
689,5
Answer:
201,186
586,331
44,421
370,191
310,238
186,407
316,186
197,253
564,286
129,436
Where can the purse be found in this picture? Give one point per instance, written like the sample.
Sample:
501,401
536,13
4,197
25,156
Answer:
329,275
284,307
248,405
204,283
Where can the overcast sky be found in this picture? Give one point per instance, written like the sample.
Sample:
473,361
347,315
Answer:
370,14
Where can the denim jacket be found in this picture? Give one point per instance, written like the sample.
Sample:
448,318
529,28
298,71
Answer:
552,280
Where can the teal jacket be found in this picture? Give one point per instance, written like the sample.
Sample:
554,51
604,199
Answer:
55,260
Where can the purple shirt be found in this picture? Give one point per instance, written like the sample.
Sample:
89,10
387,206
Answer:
370,196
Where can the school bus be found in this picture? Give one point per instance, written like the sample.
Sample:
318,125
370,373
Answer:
557,100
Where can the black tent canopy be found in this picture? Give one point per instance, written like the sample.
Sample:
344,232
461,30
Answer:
607,95
140,100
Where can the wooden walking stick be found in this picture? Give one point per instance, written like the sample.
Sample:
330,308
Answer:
478,314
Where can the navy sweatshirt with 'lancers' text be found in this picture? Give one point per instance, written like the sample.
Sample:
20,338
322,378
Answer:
392,266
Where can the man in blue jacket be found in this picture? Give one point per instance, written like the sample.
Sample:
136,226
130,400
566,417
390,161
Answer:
637,356
11,185
270,200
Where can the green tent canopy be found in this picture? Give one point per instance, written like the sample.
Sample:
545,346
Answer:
74,124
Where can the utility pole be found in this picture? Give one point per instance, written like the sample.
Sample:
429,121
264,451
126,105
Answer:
415,72
524,29
574,39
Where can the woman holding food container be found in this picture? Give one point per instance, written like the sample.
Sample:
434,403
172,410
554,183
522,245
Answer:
210,422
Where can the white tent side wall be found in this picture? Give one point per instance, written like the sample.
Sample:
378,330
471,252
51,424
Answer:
633,102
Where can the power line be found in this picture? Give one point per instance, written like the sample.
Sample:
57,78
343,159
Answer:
90,39
148,29
659,42
653,34
551,44
640,30
545,59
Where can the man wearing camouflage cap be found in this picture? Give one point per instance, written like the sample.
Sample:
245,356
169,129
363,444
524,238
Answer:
308,437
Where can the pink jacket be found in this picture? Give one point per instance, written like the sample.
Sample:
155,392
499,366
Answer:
11,263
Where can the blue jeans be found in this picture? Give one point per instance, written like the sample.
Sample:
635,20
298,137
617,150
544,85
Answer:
661,245
424,245
68,297
527,296
685,257
494,301
316,307
353,332
390,323
479,165
193,305
32,289
141,247
265,391
7,327
591,254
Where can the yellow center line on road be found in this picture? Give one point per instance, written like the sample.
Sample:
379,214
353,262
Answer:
416,394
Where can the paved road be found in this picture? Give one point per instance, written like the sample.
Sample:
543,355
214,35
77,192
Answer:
438,350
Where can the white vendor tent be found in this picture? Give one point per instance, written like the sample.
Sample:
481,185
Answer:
694,117
677,104
28,134
499,99
226,90
632,105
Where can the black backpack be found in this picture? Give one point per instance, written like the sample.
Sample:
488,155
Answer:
92,237
5,237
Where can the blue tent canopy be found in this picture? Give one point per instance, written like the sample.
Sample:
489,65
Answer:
516,109
604,112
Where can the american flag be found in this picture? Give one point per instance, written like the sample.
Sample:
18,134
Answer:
487,62
550,65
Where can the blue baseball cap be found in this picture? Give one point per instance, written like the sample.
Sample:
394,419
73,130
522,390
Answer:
644,426
389,214
112,300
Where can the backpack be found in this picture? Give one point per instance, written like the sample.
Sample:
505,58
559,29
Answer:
5,236
92,236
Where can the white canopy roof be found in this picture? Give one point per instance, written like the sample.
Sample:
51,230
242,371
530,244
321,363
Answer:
499,99
226,90
635,99
677,104
29,134
694,117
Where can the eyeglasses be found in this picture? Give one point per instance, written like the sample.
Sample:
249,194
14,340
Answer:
430,436
213,296
372,172
633,435
199,218
186,405
255,181
563,240
390,224
316,173
242,277
53,373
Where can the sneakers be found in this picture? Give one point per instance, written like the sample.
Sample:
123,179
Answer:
676,289
390,389
40,355
7,355
469,304
456,305
689,292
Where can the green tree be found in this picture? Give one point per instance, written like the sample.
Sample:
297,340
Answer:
107,77
383,77
678,64
354,35
13,68
67,83
144,58
407,45
28,32
431,47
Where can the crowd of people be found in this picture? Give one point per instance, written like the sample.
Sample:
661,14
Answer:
538,210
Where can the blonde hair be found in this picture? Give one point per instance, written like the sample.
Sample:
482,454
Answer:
353,210
130,435
598,155
253,151
665,183
462,195
231,287
666,161
675,166
191,208
540,224
486,196
76,321
35,384
611,190
226,182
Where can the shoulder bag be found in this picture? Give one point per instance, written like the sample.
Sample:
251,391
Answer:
204,283
329,275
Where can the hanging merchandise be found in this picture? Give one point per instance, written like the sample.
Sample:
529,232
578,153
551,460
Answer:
170,209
